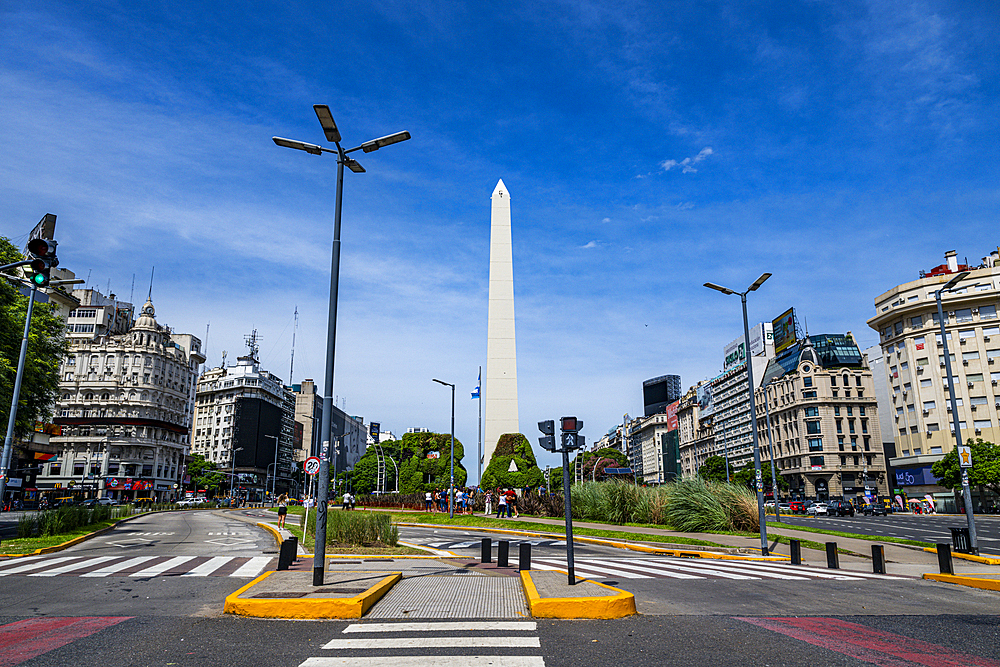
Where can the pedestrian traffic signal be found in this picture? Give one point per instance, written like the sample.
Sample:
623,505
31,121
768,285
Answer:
571,441
571,424
547,427
547,441
43,259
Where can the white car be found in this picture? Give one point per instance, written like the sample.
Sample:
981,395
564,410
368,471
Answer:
191,501
817,509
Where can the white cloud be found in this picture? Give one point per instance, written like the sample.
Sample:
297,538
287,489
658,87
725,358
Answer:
687,164
606,220
592,244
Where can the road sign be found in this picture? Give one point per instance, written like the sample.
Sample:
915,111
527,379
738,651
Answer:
312,465
965,456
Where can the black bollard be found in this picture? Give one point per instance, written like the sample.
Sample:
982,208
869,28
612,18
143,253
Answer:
503,549
487,553
944,559
524,557
295,547
832,558
796,547
286,555
878,559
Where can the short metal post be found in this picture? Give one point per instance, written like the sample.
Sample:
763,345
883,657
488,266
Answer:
524,556
503,549
878,559
487,551
944,559
832,559
796,547
286,554
295,547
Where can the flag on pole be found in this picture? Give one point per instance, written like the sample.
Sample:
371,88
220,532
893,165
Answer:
479,383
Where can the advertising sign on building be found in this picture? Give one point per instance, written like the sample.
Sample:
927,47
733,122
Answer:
783,329
761,338
735,354
672,423
706,403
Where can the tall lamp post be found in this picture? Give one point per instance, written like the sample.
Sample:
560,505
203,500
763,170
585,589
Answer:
770,447
966,493
274,480
332,135
451,493
759,481
232,474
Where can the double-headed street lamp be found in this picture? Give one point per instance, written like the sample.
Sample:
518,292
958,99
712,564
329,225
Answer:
332,135
966,493
232,475
758,481
451,492
275,464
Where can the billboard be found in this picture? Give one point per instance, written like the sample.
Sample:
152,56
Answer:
761,338
706,403
783,328
672,424
735,354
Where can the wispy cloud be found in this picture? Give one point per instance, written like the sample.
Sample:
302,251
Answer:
592,244
687,164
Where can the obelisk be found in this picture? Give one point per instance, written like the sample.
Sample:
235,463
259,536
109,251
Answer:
501,357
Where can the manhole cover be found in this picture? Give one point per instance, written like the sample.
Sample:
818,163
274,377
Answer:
279,595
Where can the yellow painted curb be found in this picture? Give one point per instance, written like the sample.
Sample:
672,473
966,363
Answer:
680,553
308,608
271,529
978,559
619,605
972,582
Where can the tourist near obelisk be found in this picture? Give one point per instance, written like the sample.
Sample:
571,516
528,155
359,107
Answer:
500,389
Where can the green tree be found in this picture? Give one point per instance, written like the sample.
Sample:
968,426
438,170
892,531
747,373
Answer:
46,347
205,474
985,470
747,475
364,476
512,447
714,469
424,464
606,457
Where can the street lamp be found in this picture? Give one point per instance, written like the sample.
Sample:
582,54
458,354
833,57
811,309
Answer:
451,493
753,408
770,447
966,493
274,479
232,475
332,135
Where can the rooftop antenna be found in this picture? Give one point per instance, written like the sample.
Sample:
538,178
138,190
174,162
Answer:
132,291
224,353
204,350
89,271
151,272
291,365
252,341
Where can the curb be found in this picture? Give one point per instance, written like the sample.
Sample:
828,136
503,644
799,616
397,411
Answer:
271,529
314,608
680,553
978,559
77,540
972,582
618,605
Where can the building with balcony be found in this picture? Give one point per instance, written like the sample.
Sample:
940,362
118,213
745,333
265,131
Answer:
906,320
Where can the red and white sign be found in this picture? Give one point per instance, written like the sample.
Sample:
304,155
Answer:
311,465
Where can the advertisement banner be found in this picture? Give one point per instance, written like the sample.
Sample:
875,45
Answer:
127,484
706,403
761,337
735,354
784,330
672,423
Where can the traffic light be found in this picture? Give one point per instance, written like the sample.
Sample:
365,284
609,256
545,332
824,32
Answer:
547,441
43,259
570,438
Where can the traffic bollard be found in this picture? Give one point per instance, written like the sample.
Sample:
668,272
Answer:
796,547
832,558
878,559
286,555
944,559
524,556
295,547
487,551
503,549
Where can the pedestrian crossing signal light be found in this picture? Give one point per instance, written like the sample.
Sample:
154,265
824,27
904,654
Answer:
43,259
571,424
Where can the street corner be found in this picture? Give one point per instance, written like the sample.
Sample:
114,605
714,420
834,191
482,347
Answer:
982,581
549,595
289,594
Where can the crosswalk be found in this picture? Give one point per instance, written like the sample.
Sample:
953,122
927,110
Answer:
690,568
442,644
476,544
134,566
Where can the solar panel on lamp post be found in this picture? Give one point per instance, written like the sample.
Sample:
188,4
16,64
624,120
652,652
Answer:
758,479
332,135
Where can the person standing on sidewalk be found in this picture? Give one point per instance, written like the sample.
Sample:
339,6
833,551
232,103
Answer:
511,503
282,509
428,499
501,503
489,503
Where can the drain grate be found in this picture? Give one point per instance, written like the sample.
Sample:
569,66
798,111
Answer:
279,594
378,560
352,591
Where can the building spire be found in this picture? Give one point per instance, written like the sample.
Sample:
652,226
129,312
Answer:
149,297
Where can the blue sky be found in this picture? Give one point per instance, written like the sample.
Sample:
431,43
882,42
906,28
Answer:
647,147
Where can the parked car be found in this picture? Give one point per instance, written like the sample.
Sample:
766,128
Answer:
785,508
840,508
93,502
797,507
817,509
875,509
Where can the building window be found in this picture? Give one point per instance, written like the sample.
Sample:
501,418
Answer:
987,312
812,411
812,427
809,394
816,461
974,377
929,405
963,315
807,382
836,410
815,444
917,321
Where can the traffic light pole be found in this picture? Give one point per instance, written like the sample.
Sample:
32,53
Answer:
569,517
8,441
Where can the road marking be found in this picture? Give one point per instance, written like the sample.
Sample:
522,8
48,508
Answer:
118,567
74,566
209,566
252,567
160,568
657,567
382,643
473,626
425,660
23,640
35,565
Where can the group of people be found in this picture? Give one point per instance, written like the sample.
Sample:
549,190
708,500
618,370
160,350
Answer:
505,500
437,500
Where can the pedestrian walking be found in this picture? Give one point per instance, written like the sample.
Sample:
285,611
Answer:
511,498
282,509
428,499
489,503
501,503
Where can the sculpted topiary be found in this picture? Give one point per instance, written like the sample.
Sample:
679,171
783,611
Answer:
512,447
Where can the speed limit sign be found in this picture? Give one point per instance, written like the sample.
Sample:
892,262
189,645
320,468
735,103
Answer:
312,465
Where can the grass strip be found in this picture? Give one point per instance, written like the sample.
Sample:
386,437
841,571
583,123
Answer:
856,536
29,544
513,524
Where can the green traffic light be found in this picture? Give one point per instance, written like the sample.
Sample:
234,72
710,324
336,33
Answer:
38,279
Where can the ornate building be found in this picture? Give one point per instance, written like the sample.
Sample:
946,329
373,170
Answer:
125,407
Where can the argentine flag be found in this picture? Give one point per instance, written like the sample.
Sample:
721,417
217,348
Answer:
479,383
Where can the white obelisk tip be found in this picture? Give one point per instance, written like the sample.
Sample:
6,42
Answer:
500,193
